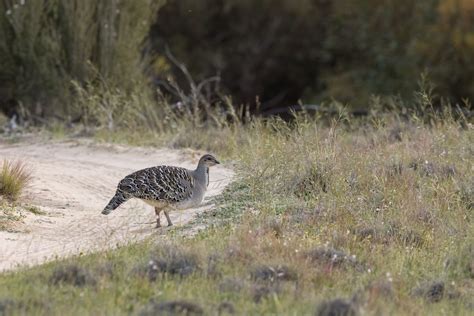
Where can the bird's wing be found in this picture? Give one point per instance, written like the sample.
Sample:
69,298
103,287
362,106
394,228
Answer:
162,183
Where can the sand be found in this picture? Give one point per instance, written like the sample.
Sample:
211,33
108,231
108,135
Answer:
72,182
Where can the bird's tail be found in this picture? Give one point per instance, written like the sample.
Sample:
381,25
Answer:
119,198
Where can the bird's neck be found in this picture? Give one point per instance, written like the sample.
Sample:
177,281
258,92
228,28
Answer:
202,174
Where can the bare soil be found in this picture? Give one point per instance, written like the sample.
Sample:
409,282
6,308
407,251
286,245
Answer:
72,182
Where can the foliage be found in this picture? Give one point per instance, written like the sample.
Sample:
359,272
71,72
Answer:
259,49
448,49
285,51
272,55
45,44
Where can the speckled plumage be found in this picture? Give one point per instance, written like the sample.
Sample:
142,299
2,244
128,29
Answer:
165,187
162,183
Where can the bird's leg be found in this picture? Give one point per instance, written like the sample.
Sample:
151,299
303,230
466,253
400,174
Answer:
168,218
157,212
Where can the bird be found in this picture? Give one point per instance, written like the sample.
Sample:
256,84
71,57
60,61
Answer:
165,187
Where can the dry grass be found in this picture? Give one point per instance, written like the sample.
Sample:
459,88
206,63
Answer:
14,178
323,218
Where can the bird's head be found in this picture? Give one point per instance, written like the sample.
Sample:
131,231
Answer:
208,160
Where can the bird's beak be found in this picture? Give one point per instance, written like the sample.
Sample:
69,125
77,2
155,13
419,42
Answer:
217,162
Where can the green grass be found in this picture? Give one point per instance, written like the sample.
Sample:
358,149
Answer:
10,216
345,210
14,177
34,210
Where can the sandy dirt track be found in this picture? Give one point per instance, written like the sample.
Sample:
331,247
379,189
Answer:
72,182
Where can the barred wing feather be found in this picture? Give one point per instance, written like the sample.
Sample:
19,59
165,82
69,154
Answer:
162,183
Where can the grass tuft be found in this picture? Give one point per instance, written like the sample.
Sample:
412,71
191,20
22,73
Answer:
261,292
432,291
172,308
34,210
170,260
72,275
10,217
273,273
332,258
337,307
226,308
14,178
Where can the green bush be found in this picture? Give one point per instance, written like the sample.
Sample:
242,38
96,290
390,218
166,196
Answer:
45,44
284,51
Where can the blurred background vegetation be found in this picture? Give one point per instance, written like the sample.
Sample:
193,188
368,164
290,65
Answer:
57,56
